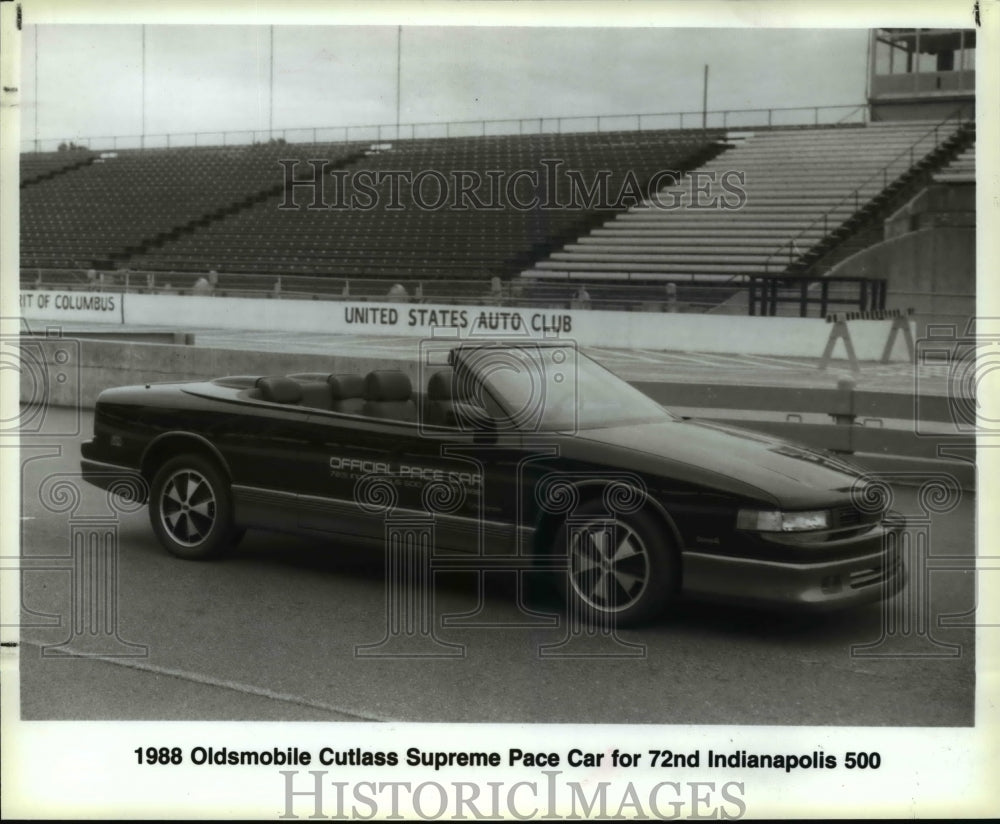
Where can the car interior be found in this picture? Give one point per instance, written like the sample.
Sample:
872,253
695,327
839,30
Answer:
383,393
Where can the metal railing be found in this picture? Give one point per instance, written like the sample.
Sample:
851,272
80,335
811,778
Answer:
713,119
476,292
766,294
892,170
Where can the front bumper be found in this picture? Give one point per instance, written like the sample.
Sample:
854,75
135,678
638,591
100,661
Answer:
121,480
872,575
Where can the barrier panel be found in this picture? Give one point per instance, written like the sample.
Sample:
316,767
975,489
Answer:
716,334
857,421
900,323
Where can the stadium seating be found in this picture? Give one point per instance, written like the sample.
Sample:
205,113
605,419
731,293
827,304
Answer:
99,214
961,170
36,166
189,210
184,211
801,185
414,242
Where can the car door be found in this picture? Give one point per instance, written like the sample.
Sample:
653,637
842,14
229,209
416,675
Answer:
349,478
362,471
266,447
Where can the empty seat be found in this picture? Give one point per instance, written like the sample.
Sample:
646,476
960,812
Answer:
389,394
439,402
447,403
442,407
316,394
279,389
347,393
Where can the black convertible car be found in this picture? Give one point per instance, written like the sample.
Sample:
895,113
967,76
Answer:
519,453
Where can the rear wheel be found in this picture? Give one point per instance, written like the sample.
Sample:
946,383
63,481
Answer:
621,569
191,508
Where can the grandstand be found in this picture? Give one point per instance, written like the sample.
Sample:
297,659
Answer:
100,212
960,170
807,190
187,210
433,245
39,166
748,218
193,209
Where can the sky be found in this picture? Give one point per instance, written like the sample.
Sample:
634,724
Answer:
88,80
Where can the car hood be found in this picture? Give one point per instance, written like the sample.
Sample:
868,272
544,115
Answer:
789,473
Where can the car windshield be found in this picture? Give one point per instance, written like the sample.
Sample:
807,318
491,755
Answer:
556,388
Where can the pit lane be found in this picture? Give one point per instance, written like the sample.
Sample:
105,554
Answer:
272,633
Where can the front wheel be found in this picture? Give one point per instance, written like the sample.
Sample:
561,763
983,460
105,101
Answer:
191,509
621,569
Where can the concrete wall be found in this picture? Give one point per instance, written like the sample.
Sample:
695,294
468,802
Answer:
933,270
923,109
948,205
780,336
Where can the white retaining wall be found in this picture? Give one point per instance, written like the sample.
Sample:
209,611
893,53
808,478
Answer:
723,334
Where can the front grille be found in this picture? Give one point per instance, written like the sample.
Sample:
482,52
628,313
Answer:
846,516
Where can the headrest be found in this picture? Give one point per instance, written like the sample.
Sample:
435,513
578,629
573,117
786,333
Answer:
387,385
439,386
344,387
279,389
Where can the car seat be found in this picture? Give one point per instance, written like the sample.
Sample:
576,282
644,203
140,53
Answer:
347,393
389,394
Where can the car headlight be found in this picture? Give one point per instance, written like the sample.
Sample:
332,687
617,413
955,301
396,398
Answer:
763,521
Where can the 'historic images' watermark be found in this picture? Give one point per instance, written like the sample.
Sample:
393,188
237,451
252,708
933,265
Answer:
551,797
523,190
92,610
49,370
909,620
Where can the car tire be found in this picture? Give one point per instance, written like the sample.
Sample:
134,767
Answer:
621,570
191,509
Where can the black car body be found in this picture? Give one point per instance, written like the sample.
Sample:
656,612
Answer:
529,454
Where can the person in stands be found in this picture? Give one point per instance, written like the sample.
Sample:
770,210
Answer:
670,304
201,287
397,293
206,285
496,291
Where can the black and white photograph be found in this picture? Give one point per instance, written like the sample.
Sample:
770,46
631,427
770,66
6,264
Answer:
485,411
